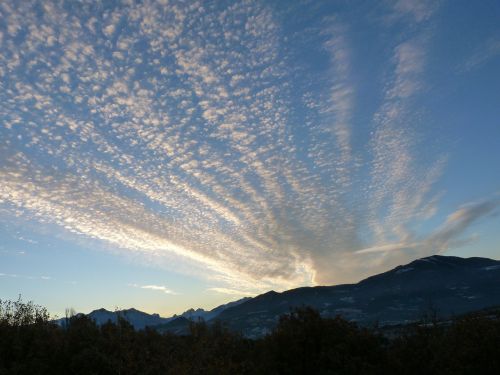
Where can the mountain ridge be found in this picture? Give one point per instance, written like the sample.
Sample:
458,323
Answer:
449,285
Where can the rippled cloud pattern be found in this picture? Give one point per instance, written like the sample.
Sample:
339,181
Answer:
226,140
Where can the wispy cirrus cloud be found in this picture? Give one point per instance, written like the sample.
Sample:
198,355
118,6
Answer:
160,288
458,222
29,277
448,235
487,50
228,291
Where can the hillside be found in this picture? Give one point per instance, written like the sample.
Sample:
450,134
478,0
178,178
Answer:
438,284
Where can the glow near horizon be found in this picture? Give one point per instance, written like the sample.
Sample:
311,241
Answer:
245,145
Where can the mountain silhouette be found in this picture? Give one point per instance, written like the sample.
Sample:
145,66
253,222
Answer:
440,285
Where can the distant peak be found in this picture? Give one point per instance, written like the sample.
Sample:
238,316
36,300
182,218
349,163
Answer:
269,294
101,310
132,310
451,258
436,257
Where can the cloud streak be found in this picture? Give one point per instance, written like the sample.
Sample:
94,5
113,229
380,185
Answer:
458,222
160,288
448,235
487,50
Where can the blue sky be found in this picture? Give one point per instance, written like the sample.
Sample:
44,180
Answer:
166,155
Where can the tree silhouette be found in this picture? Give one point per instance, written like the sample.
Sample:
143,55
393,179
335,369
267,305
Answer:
303,342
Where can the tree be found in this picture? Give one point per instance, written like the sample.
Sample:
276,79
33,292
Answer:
305,343
19,313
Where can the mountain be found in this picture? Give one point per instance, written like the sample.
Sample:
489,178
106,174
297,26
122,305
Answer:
180,325
140,320
443,285
211,314
438,284
136,318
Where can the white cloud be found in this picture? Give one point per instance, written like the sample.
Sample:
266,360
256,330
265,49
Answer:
160,288
387,247
232,292
109,30
29,277
420,10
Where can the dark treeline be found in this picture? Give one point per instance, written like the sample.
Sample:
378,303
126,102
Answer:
302,343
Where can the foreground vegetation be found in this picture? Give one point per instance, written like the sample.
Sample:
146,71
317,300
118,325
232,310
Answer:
302,343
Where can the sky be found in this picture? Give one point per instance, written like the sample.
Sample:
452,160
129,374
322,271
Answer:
164,155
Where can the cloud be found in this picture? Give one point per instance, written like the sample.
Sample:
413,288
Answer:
409,59
387,247
341,101
487,50
159,288
29,277
399,185
458,222
232,292
419,10
198,138
447,236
